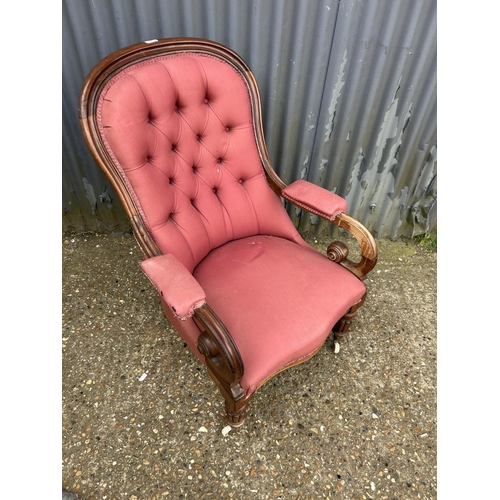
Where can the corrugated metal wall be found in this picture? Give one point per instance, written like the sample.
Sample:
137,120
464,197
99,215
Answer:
348,93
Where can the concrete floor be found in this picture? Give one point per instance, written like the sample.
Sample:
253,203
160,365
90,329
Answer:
142,419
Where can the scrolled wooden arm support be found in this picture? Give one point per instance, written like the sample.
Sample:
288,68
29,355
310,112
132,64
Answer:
332,207
338,252
224,363
220,351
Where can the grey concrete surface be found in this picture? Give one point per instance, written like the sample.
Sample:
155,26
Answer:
142,420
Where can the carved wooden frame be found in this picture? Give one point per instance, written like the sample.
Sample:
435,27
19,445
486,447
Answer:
223,360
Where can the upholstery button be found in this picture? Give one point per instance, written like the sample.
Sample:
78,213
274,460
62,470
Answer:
227,129
219,160
205,100
198,137
214,190
240,181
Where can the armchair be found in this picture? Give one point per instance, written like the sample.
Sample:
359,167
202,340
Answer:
176,127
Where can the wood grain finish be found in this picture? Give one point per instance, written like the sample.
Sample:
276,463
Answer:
337,251
369,251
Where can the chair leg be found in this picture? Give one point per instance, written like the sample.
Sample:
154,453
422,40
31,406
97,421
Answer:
236,402
236,411
340,330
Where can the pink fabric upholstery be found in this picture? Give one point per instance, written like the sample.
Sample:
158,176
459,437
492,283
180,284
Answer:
187,329
175,284
180,129
315,199
278,300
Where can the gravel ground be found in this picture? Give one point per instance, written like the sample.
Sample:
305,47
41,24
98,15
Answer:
142,420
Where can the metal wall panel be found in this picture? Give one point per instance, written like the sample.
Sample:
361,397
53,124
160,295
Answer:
348,94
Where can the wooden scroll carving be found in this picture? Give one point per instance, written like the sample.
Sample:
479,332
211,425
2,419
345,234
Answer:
338,251
224,363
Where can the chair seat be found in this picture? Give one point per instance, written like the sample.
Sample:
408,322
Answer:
261,287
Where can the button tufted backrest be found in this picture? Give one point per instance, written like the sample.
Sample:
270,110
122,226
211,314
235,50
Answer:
179,129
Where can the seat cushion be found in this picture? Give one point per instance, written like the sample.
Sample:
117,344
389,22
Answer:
279,300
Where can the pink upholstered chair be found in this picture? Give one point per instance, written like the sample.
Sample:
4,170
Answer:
176,127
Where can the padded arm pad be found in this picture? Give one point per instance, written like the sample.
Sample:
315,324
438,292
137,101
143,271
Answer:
175,284
315,199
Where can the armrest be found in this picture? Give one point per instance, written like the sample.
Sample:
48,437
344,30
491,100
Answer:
175,284
315,199
332,207
186,298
